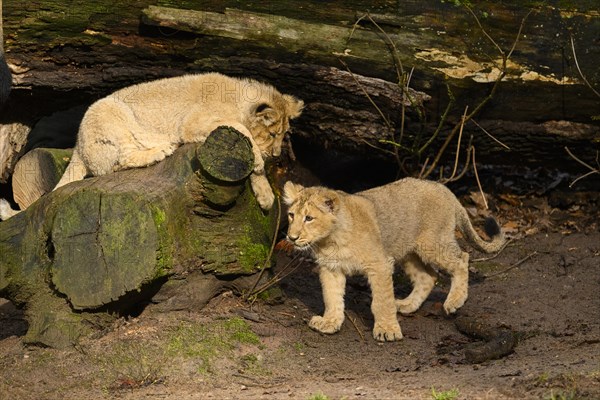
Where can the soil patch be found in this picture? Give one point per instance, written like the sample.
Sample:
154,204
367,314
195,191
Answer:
542,288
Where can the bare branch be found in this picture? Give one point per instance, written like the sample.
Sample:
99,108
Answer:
591,171
273,243
361,87
579,69
462,125
478,181
490,135
484,31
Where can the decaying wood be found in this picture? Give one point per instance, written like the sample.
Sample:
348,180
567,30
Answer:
110,242
298,47
497,342
13,140
37,173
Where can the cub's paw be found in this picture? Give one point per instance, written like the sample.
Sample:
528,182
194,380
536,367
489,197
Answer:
406,306
451,306
387,332
263,192
259,163
323,325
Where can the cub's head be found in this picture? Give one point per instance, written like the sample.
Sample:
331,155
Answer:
312,213
269,121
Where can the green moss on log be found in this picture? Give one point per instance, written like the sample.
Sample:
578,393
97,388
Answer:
105,246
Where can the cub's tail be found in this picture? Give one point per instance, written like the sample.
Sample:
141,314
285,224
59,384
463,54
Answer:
492,229
76,170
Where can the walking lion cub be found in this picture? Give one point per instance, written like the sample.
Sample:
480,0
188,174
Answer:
410,221
142,124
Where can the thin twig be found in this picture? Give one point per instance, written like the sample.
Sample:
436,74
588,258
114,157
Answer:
495,255
490,135
279,276
514,46
579,69
467,160
484,31
478,181
423,167
355,326
499,79
395,56
273,243
591,171
387,122
515,265
442,121
380,148
460,132
580,161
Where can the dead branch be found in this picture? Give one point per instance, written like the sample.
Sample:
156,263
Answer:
515,265
579,69
591,171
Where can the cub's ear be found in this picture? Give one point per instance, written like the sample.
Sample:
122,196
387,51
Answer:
331,202
291,192
293,106
266,114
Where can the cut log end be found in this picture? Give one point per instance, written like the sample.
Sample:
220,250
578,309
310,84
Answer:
226,155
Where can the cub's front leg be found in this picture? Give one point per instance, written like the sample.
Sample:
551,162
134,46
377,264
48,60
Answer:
383,304
262,190
333,284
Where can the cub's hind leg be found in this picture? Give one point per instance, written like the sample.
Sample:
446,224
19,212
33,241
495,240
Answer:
458,267
333,285
111,139
423,279
135,158
449,257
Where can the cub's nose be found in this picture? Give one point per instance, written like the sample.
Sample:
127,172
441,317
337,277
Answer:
292,238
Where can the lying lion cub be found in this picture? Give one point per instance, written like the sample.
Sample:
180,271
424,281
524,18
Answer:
410,221
142,124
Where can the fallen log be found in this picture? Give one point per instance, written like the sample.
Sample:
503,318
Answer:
13,141
111,242
299,47
37,173
496,342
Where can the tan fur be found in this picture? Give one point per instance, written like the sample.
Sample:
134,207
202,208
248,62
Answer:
410,221
142,124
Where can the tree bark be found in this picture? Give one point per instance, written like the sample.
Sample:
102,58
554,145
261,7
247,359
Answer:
300,46
5,76
110,242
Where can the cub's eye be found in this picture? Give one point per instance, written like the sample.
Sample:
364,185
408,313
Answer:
273,134
308,218
291,215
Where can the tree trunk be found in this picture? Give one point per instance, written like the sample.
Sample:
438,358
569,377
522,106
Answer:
92,49
103,242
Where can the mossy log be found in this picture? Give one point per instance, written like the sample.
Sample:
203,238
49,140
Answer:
68,55
109,242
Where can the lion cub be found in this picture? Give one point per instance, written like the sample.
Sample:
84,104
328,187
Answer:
410,221
142,124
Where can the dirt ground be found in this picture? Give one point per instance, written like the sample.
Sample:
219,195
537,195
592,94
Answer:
543,288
